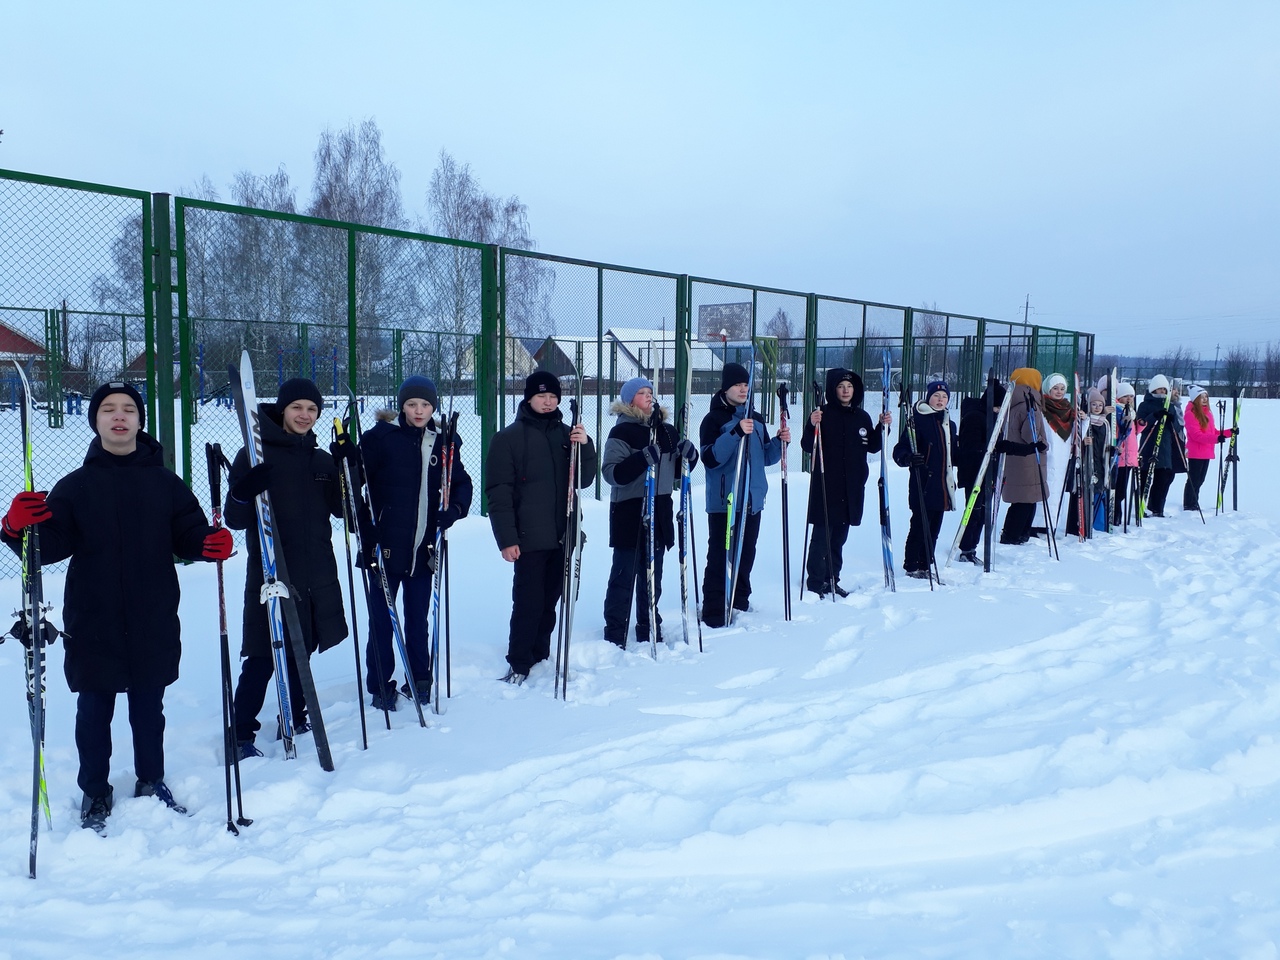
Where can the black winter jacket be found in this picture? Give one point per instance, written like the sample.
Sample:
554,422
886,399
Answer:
121,520
937,441
304,494
1150,412
527,479
392,455
848,436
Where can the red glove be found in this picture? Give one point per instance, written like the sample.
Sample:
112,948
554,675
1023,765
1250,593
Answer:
218,545
27,508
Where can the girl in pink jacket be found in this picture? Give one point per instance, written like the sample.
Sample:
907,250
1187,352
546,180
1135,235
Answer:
1203,436
1126,448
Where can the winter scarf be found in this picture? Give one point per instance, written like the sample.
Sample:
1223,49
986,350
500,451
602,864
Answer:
1061,415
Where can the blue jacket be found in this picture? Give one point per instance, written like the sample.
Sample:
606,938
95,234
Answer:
718,439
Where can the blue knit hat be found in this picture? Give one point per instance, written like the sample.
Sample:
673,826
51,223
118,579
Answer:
634,386
934,386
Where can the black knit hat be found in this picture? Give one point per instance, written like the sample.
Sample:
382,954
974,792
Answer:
733,374
419,388
541,382
299,388
106,390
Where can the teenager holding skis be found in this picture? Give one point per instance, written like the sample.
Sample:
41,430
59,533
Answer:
527,482
1155,409
640,439
848,437
1024,448
402,456
121,517
720,433
1126,449
936,449
302,482
973,441
1093,455
1203,436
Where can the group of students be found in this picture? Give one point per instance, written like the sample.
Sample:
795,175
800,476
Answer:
122,517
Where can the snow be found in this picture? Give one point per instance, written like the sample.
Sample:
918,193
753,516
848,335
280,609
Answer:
1073,758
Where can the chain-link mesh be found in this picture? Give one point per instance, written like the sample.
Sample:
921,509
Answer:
288,290
350,305
73,307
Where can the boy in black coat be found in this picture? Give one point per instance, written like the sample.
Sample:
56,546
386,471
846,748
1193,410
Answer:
303,483
403,462
848,437
973,441
937,447
121,518
527,481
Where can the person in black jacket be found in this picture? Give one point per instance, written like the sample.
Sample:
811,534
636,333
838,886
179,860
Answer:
302,481
121,518
403,463
641,438
973,441
527,481
936,451
1158,456
848,436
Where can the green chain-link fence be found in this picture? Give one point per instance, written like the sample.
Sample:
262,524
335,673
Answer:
74,271
95,284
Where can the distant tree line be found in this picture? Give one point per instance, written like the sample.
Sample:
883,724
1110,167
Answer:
1251,367
252,280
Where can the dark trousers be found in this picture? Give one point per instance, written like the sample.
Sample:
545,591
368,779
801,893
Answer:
919,551
379,657
818,577
1017,523
1197,470
1119,491
1160,484
973,529
628,578
713,575
94,710
251,693
535,592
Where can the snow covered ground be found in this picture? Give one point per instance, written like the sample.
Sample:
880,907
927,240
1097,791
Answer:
1058,759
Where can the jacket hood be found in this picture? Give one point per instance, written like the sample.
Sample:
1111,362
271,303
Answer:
149,449
837,374
629,411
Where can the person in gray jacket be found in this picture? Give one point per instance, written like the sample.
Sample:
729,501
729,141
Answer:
640,439
527,481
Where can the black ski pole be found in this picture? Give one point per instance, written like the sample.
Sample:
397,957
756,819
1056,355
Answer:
348,524
785,415
826,509
1222,416
216,461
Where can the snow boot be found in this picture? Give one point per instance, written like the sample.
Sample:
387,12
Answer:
159,790
94,812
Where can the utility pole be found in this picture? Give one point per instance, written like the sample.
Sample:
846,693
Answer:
1026,310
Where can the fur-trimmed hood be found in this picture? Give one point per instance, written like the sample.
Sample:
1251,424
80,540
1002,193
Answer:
629,411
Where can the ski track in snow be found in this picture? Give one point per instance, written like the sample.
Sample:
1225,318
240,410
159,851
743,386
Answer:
1057,759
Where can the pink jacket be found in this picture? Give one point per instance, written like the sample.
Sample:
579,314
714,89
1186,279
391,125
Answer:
1128,445
1201,441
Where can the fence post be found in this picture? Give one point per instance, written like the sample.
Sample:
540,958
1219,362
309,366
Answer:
162,384
684,348
489,377
353,382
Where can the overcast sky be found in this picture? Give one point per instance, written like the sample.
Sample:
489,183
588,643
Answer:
1116,161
